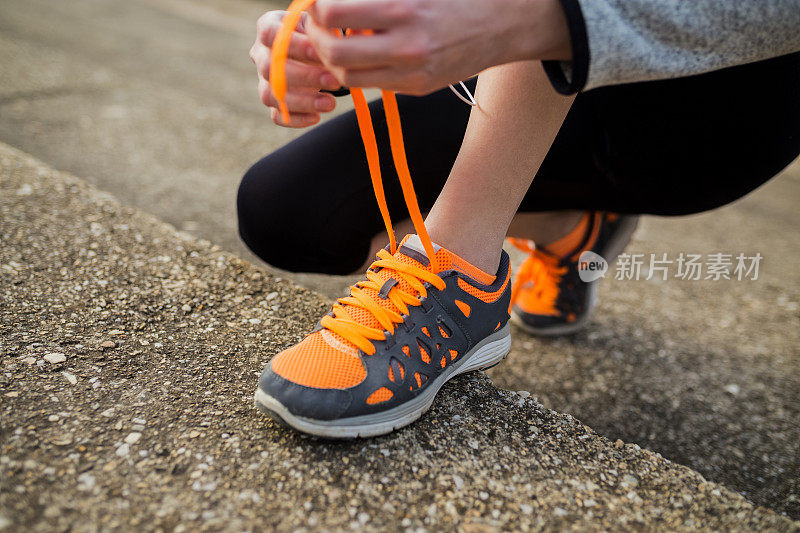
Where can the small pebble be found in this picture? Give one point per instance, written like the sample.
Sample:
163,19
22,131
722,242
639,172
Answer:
732,389
70,377
63,440
55,358
86,481
133,437
108,344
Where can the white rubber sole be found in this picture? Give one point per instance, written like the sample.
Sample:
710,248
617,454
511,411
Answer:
487,353
615,246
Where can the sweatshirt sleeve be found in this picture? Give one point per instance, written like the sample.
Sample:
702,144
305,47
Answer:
624,41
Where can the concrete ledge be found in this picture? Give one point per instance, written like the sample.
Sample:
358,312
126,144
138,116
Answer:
130,354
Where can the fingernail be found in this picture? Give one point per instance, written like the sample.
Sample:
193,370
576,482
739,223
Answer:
312,54
324,103
329,81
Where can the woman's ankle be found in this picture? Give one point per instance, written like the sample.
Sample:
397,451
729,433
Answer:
481,250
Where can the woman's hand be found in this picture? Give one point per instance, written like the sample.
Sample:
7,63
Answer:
304,72
418,46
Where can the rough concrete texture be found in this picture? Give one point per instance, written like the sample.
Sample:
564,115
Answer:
129,356
155,101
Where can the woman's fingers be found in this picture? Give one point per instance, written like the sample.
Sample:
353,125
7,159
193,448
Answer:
362,51
299,101
361,14
297,74
300,48
296,120
301,75
305,75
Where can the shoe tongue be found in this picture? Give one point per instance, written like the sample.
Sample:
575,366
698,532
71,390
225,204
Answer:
412,252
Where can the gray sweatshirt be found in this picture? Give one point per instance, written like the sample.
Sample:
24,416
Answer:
623,41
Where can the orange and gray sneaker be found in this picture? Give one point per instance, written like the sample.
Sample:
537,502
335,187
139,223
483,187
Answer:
377,360
422,316
548,296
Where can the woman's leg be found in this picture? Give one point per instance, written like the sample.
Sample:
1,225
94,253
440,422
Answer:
507,139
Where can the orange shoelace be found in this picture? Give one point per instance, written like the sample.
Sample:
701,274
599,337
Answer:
362,294
543,272
342,322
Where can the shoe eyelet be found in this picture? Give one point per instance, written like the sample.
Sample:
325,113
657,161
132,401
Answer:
388,338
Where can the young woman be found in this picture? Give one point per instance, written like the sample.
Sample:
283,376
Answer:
616,107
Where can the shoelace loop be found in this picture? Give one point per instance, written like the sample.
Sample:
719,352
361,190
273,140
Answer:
360,335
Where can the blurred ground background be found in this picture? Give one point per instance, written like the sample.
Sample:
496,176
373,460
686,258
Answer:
123,93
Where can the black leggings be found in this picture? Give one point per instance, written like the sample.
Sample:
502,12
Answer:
669,147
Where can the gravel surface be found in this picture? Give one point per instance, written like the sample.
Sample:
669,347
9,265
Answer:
129,357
